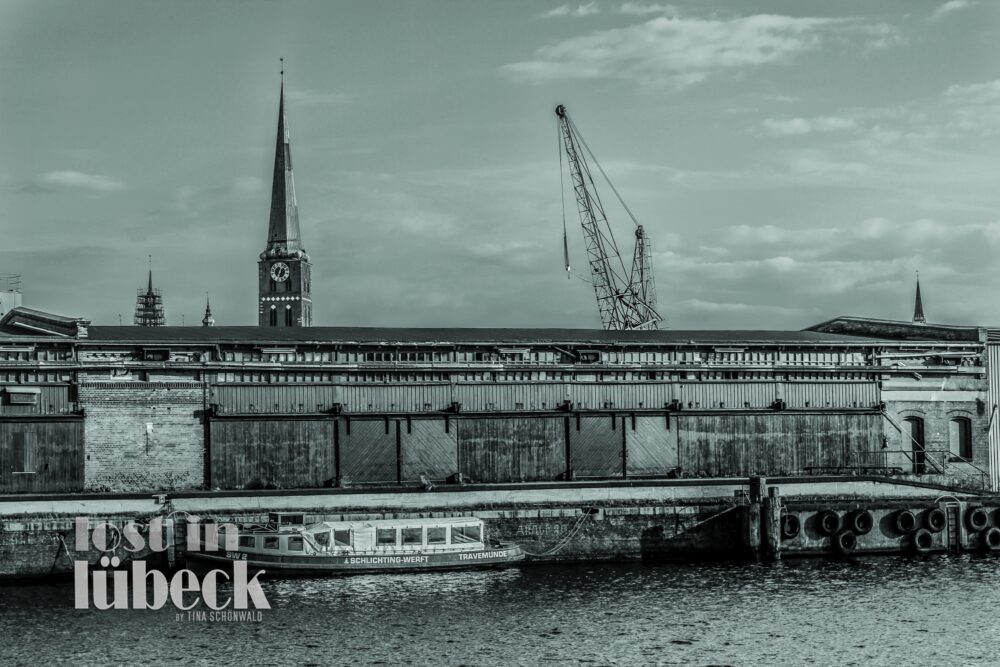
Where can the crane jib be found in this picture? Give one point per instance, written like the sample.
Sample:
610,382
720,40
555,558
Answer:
626,298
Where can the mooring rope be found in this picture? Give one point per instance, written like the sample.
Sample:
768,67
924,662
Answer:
563,541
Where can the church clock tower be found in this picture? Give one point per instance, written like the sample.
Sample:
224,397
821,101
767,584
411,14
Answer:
284,277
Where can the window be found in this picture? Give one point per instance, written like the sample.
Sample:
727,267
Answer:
342,538
436,535
248,541
413,536
273,317
462,534
288,316
960,437
295,543
270,542
385,537
322,539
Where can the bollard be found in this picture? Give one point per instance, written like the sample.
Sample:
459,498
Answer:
771,525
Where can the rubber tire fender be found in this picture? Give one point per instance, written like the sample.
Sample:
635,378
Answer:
991,539
923,540
845,542
828,522
977,519
860,522
905,522
790,526
935,520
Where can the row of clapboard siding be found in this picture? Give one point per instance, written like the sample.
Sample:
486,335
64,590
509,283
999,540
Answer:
536,395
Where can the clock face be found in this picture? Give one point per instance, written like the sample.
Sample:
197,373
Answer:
279,272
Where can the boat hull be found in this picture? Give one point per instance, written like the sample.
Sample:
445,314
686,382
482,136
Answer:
313,564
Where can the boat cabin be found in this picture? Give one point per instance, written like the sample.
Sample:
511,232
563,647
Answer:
382,536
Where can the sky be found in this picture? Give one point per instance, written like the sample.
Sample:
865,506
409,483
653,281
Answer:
790,160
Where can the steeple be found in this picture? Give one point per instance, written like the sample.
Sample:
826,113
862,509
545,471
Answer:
149,304
284,274
918,305
208,320
283,230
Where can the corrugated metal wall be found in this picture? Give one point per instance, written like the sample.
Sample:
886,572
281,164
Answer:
739,445
41,456
361,398
524,449
284,454
52,400
993,352
276,399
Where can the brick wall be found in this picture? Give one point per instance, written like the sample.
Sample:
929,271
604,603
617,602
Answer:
119,453
937,403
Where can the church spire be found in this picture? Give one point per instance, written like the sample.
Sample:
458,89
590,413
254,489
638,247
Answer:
283,230
918,305
149,304
284,274
208,320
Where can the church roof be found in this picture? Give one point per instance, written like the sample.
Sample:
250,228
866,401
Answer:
283,230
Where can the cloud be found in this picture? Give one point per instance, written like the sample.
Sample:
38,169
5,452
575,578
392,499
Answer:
678,52
316,97
637,9
55,180
794,126
698,306
974,93
579,11
950,7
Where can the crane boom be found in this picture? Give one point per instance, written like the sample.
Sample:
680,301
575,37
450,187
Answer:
626,299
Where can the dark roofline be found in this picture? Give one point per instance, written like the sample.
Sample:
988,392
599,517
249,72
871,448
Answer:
848,325
451,336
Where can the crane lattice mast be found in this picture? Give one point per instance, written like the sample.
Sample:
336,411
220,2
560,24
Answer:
626,298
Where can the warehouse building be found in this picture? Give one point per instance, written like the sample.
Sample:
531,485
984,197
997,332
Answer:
101,408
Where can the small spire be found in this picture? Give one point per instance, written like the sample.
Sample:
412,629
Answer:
149,304
918,305
208,320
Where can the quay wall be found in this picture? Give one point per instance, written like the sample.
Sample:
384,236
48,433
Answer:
652,522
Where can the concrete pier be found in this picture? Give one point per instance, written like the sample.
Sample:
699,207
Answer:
651,520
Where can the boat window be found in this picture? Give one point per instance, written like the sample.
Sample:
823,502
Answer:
342,538
322,539
270,542
461,534
436,535
295,543
248,541
413,536
385,537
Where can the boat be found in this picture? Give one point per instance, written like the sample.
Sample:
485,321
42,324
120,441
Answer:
286,545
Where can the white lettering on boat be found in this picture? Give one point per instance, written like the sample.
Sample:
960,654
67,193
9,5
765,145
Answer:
483,554
378,560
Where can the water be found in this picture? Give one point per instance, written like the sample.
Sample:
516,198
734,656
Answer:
885,611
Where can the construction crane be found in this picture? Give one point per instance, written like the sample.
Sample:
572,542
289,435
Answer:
625,298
